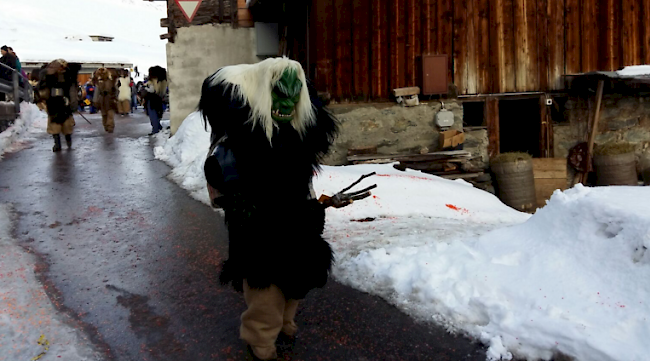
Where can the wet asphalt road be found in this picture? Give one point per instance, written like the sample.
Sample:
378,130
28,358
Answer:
134,260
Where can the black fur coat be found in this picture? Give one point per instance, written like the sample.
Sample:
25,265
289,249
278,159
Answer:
58,87
275,227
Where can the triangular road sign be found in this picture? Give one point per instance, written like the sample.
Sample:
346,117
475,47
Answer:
189,8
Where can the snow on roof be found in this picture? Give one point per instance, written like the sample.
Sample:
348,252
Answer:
38,36
635,70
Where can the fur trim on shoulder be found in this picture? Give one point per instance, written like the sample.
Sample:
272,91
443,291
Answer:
253,83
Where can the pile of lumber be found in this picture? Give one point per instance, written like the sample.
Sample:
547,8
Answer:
450,164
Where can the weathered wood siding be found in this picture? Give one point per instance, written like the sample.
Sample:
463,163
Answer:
361,49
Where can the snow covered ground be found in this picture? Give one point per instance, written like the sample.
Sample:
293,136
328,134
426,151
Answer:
44,30
31,121
30,326
571,279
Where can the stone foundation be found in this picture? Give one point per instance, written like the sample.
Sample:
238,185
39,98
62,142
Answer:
395,129
623,118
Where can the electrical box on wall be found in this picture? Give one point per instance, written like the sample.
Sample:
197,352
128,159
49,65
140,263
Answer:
268,39
444,118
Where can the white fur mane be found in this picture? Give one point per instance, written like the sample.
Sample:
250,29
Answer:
253,84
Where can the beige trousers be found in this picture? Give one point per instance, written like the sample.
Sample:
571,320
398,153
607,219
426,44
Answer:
108,121
268,313
56,128
123,106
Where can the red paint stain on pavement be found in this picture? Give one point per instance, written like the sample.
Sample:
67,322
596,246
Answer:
92,210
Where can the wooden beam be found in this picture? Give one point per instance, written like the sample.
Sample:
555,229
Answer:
484,71
344,72
556,44
471,43
379,49
400,92
491,114
445,33
631,33
361,30
594,128
460,29
572,28
646,32
543,45
165,36
544,127
164,22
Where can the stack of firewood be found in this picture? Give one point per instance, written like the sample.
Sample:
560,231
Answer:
447,164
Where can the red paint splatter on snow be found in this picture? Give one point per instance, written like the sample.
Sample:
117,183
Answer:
457,209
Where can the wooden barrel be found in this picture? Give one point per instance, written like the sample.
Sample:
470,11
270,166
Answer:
515,184
616,170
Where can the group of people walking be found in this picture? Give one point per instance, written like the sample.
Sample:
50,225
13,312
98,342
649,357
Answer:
114,92
109,91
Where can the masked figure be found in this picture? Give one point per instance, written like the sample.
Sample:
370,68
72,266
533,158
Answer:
106,96
269,133
57,87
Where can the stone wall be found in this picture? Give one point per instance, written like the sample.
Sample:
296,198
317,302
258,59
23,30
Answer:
197,52
395,129
623,118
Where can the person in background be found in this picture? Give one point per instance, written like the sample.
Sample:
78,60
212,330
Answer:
156,88
9,60
134,96
90,92
34,79
124,93
57,88
106,96
81,97
19,66
141,92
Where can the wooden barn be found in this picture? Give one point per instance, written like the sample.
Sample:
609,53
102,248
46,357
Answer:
502,66
361,49
505,59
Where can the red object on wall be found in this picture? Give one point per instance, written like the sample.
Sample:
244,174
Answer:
189,8
435,74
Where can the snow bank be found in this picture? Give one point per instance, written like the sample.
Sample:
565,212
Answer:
31,120
26,314
571,279
185,152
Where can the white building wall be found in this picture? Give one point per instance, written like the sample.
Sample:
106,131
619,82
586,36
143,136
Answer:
197,52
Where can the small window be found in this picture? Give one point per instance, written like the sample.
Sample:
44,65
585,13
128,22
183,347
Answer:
473,114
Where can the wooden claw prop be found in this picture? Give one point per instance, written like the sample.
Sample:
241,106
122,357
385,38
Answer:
342,199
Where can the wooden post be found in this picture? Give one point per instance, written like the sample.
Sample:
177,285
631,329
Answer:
221,11
594,129
16,85
233,14
491,115
543,131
